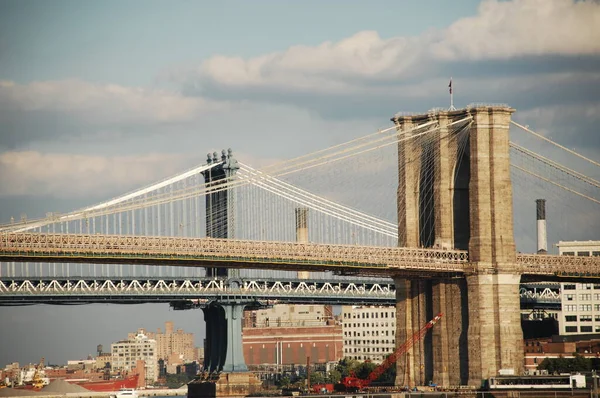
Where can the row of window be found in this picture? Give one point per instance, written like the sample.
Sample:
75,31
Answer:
366,325
583,253
368,333
582,286
368,349
582,297
582,307
582,318
365,315
582,329
377,358
359,342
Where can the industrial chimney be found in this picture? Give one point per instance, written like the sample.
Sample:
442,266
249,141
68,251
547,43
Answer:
542,240
302,232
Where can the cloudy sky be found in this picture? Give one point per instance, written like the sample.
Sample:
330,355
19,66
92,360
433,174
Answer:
97,98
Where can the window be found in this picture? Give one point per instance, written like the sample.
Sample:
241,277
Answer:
584,254
585,318
585,307
570,308
571,318
597,329
569,297
585,297
571,329
568,253
596,253
586,329
569,287
586,286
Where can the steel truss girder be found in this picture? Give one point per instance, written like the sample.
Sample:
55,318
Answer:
60,291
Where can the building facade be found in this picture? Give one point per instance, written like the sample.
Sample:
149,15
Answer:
171,342
127,353
287,335
580,301
368,332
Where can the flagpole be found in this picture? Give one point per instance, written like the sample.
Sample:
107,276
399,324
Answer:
452,108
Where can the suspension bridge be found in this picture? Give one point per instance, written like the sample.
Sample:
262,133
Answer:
437,226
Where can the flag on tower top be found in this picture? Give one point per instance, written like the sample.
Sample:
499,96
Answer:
450,86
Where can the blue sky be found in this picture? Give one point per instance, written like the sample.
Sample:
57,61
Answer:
131,42
98,98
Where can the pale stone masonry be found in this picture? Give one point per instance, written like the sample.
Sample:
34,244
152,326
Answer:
480,332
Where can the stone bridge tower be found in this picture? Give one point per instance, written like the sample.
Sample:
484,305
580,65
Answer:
457,194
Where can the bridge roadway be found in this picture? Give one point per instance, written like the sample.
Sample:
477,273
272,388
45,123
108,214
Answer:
187,293
231,253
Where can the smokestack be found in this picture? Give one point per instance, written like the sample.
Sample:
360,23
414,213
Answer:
302,233
542,240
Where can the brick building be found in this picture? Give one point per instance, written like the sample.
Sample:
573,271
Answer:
288,334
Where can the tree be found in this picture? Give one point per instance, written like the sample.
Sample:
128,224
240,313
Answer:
345,366
363,370
177,380
317,378
334,376
566,365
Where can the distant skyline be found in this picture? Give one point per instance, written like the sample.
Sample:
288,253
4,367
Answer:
99,98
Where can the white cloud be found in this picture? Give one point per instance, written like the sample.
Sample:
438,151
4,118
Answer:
103,103
507,29
68,175
501,30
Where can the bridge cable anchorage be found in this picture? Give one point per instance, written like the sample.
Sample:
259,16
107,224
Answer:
555,144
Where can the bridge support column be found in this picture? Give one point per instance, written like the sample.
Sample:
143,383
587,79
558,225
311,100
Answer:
216,335
412,312
495,335
234,359
224,347
495,338
228,375
450,349
408,188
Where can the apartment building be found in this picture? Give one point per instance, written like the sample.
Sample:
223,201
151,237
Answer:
580,301
368,332
126,353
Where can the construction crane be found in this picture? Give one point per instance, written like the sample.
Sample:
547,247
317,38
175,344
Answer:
353,383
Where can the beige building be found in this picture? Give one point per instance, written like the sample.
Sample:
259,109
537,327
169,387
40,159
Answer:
368,332
126,353
580,301
172,342
292,315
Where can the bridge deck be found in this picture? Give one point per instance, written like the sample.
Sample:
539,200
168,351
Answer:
231,253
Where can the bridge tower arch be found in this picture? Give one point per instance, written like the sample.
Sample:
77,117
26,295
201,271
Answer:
455,195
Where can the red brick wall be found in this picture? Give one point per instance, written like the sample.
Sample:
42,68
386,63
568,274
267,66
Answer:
292,345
